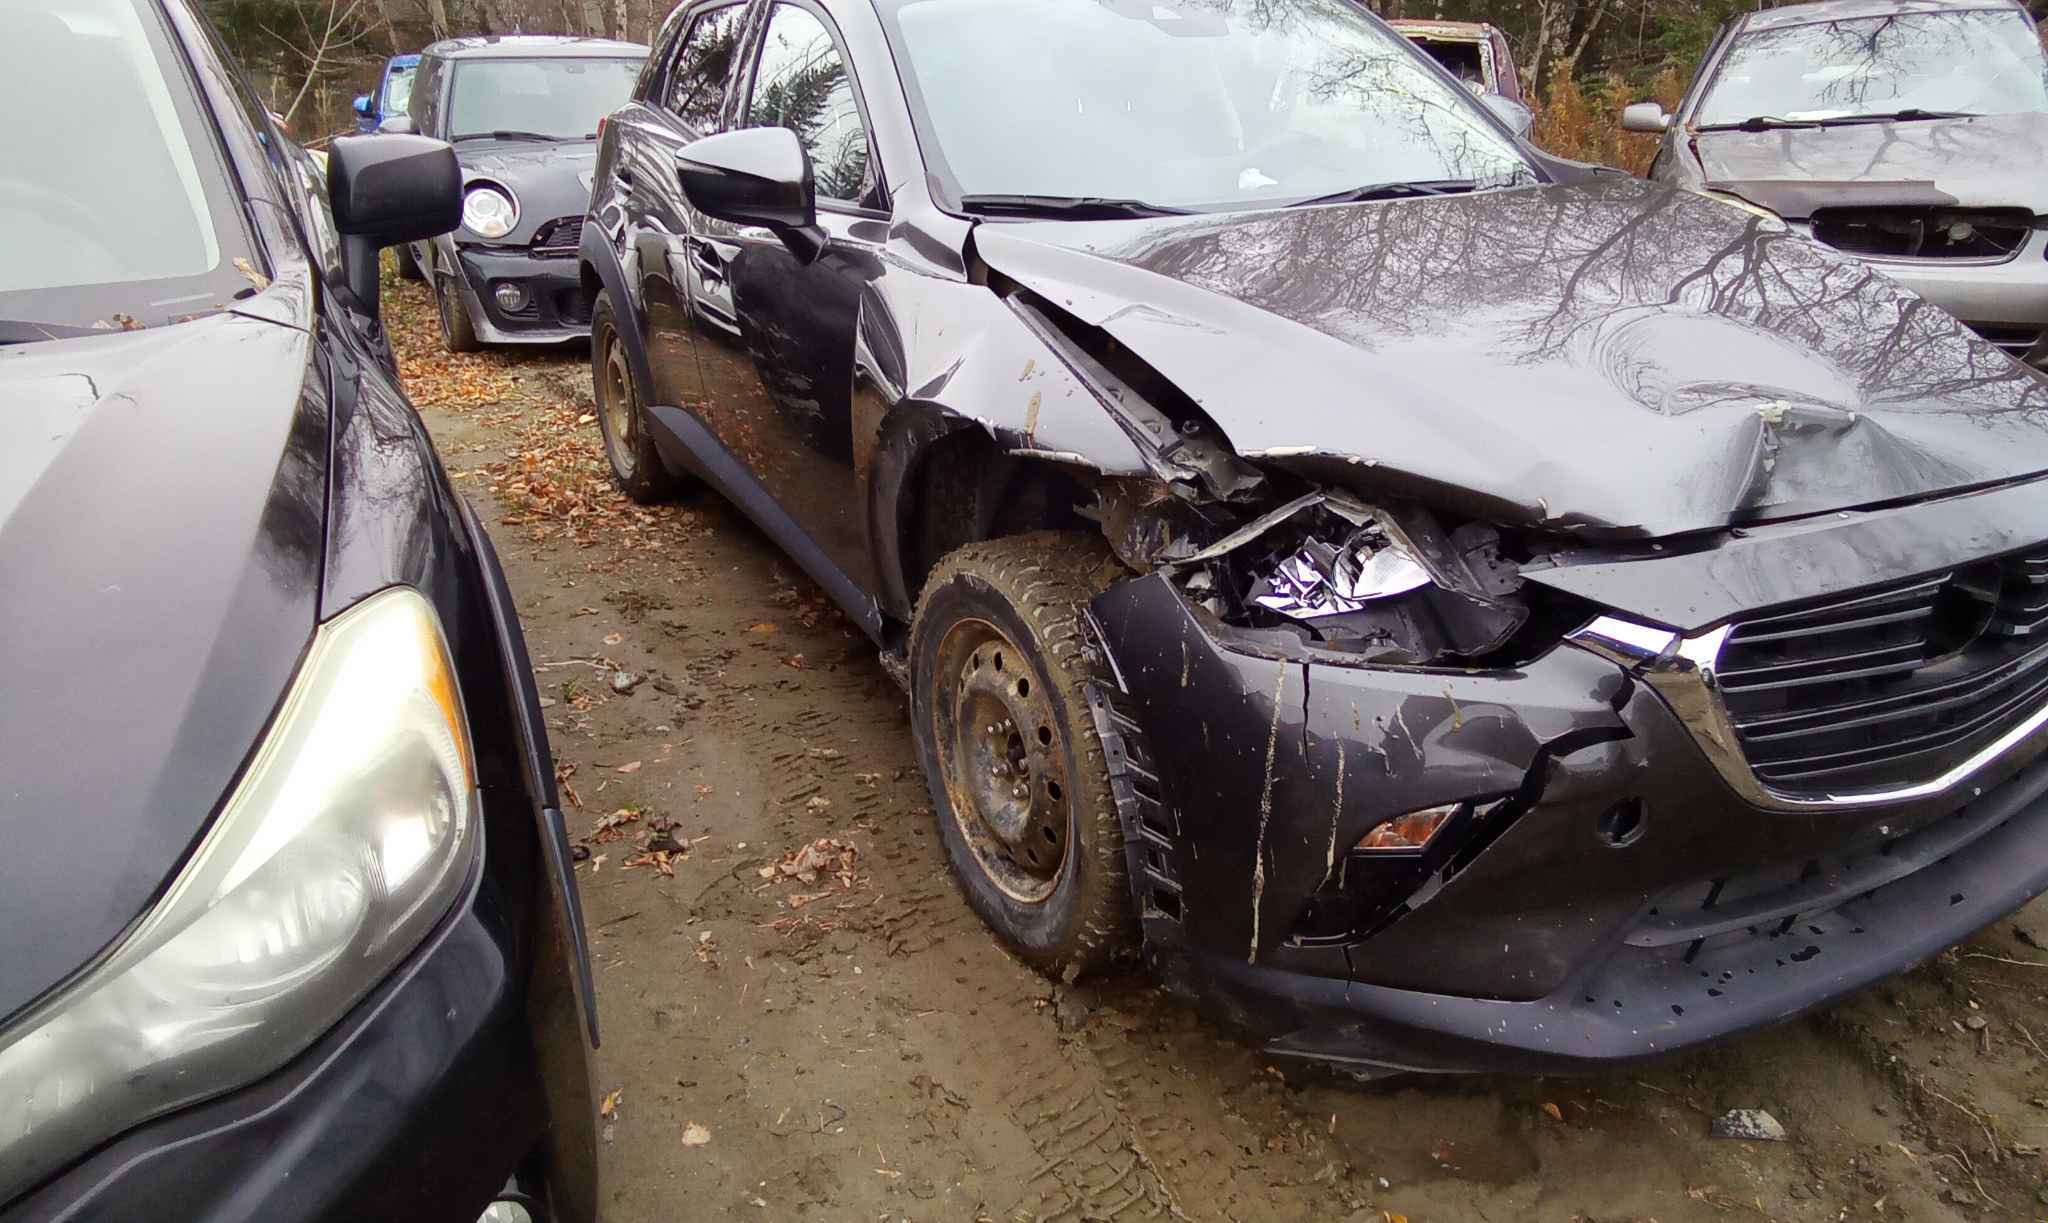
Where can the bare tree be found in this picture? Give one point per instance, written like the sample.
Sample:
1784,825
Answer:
339,30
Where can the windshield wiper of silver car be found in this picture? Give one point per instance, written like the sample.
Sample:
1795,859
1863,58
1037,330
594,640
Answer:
1390,191
1758,123
504,134
1895,116
1070,207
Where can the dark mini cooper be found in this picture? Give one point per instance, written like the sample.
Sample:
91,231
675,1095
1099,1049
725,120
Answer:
1450,607
287,930
522,112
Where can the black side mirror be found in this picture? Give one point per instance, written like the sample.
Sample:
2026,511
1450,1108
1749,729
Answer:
756,176
386,190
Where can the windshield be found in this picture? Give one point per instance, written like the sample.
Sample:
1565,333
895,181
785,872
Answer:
397,92
561,99
1188,104
1974,61
115,210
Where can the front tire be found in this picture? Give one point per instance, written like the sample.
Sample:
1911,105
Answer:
1018,780
637,467
458,332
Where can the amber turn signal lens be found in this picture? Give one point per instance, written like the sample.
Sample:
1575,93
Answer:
1406,833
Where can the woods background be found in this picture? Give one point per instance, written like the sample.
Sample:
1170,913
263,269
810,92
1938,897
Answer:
1581,60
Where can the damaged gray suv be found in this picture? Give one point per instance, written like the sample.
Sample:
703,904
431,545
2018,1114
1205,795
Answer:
1447,607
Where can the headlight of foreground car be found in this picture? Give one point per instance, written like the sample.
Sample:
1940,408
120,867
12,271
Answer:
489,212
343,844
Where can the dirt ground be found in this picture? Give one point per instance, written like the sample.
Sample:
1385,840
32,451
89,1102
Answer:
841,1039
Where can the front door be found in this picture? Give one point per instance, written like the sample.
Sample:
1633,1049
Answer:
685,104
776,336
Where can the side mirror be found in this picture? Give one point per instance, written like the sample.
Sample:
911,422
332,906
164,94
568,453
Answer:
395,125
362,105
1644,117
385,190
1518,117
756,176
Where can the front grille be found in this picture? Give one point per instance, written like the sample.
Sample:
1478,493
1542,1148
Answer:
1889,687
1925,233
558,239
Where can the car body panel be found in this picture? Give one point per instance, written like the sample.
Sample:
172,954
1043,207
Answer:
1985,161
210,606
179,509
1655,328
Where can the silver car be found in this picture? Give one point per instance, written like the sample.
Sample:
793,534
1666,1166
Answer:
1910,133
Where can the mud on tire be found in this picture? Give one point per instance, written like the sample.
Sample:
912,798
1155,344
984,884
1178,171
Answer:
1019,784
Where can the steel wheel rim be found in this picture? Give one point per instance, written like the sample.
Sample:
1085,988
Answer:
617,394
1002,757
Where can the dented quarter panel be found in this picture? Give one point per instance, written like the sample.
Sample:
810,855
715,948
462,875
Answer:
1282,765
1708,368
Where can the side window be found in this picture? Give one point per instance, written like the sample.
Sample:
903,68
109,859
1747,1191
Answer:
801,84
696,85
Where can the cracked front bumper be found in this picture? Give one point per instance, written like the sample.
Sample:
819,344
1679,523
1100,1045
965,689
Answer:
1606,897
557,307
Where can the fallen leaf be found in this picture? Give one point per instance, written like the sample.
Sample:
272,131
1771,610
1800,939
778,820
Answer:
585,419
763,627
1556,1113
818,803
609,1108
794,660
695,1135
614,638
631,766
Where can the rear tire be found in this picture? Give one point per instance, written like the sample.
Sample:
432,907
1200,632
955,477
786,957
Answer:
408,267
637,467
1018,779
458,333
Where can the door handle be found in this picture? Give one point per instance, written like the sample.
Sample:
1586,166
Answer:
707,257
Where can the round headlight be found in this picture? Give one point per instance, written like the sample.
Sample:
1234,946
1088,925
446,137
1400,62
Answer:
489,212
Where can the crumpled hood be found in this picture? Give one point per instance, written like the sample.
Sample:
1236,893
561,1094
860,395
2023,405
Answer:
1615,356
550,180
1992,161
162,495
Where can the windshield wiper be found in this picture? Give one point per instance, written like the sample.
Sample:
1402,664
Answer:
1071,207
1910,113
1390,191
1758,123
24,331
504,134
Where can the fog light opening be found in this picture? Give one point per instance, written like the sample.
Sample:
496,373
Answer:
511,297
1622,825
1407,834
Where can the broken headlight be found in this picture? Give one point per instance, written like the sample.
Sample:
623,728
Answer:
1390,586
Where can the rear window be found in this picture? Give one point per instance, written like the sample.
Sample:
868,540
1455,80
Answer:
114,201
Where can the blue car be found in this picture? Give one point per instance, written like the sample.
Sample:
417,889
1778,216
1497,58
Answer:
393,94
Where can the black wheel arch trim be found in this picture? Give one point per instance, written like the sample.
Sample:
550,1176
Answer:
536,761
599,259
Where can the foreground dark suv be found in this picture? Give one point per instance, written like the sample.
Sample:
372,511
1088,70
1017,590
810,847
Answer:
1450,607
286,926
